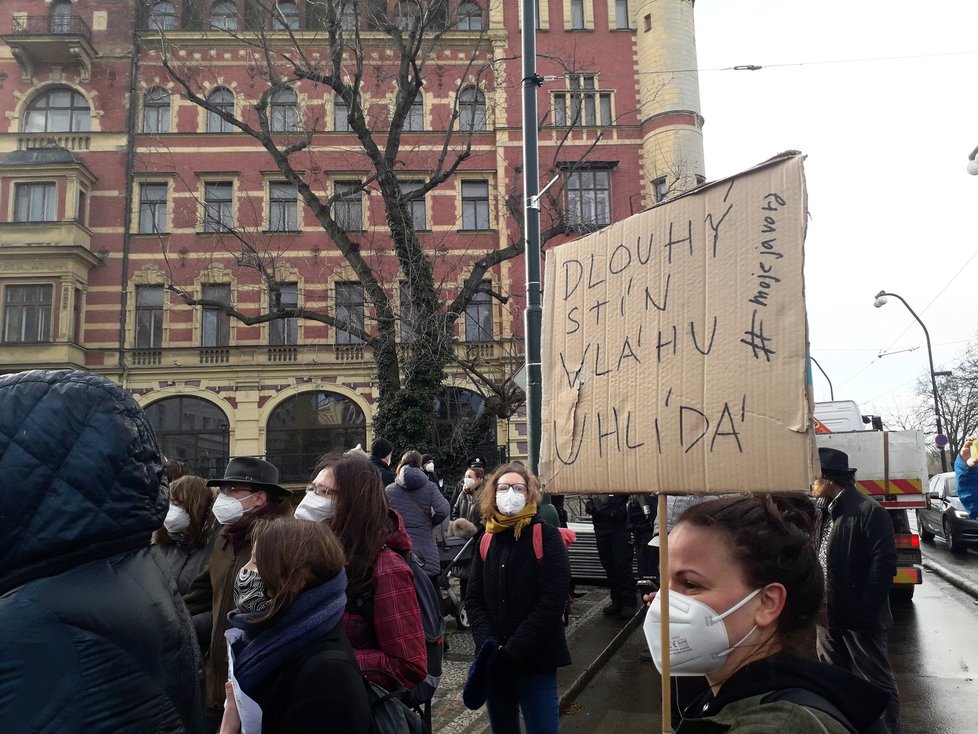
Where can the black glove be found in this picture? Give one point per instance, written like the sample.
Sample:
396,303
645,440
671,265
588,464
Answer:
502,664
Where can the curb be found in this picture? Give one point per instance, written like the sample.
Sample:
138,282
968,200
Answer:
587,675
966,585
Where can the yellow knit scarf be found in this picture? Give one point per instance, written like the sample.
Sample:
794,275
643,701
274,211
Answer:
499,522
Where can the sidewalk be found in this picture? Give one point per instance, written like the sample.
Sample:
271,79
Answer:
591,636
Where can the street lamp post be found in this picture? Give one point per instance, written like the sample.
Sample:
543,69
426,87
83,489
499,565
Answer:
881,301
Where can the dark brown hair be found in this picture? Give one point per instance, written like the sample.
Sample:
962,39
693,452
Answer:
176,469
192,494
409,458
487,498
292,556
362,521
771,539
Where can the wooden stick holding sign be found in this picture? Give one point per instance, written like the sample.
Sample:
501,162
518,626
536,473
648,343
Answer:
662,598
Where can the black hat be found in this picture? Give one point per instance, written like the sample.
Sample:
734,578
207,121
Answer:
835,462
427,457
381,448
477,462
249,470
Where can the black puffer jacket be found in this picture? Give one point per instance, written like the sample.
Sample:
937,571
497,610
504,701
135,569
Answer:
94,636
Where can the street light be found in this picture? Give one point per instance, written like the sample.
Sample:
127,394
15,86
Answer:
881,300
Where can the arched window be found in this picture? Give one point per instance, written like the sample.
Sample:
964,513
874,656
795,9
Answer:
287,17
308,425
284,109
163,17
61,17
469,17
223,99
407,16
58,110
192,430
471,109
156,111
224,16
463,427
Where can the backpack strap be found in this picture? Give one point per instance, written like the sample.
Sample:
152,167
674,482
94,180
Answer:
486,539
811,700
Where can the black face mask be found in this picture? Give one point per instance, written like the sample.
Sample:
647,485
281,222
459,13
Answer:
249,592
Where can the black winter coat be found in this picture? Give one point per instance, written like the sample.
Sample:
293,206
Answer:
518,601
860,564
314,691
94,636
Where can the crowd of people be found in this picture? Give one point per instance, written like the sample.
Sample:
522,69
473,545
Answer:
228,604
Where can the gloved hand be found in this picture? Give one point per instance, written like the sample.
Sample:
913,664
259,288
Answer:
502,665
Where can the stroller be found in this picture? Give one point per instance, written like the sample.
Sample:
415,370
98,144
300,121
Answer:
455,555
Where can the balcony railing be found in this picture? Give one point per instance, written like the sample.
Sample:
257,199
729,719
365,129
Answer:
69,141
46,25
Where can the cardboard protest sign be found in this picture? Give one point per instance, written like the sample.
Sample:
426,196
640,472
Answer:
675,345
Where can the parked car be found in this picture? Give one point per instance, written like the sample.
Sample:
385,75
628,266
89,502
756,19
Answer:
945,515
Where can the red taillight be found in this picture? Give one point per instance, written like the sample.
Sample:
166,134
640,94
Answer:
907,541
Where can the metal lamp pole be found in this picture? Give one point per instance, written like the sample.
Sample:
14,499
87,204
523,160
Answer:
881,301
533,318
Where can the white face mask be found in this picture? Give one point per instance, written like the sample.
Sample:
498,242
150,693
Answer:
430,467
698,643
316,508
468,483
510,502
177,519
228,510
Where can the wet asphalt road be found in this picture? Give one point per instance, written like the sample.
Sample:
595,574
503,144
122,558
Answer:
933,649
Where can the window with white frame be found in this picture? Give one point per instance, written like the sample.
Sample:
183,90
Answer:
469,17
582,104
27,313
284,116
222,99
156,111
218,197
152,208
349,311
414,120
471,109
285,332
415,207
408,312
287,17
224,16
478,315
348,205
35,201
588,198
58,110
215,325
282,207
149,316
475,205
341,118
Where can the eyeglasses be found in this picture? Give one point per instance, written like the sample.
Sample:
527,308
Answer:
230,489
321,491
518,488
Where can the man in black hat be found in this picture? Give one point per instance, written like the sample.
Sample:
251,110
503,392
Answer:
248,491
854,539
381,452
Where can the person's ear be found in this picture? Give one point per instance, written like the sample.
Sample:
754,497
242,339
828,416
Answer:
261,498
772,598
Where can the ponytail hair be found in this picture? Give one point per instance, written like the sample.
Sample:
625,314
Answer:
772,540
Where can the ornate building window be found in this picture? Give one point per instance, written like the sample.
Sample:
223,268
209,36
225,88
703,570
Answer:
588,198
285,332
163,17
284,112
478,315
349,310
469,17
475,205
224,16
156,111
193,431
287,17
35,202
306,426
149,316
61,17
27,313
348,205
215,324
58,110
222,99
218,199
152,208
282,207
471,109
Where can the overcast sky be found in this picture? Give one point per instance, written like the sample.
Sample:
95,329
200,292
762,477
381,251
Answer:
884,101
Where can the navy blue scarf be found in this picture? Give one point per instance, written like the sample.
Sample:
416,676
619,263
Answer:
263,648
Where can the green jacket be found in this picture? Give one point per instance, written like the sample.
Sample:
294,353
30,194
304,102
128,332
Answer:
750,716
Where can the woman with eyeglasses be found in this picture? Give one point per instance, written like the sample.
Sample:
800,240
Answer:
516,597
382,618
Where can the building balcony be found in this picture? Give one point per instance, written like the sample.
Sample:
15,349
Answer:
66,234
44,356
51,39
66,140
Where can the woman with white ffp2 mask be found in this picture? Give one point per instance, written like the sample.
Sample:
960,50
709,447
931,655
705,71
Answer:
745,588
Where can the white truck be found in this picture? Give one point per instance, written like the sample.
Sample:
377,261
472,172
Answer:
891,467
